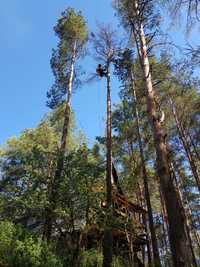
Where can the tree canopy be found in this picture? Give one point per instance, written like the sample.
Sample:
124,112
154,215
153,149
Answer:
131,198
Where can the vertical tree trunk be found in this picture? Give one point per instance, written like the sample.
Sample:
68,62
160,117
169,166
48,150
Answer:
188,228
165,244
60,160
193,228
188,209
164,212
108,237
193,144
144,219
186,145
145,181
165,226
177,230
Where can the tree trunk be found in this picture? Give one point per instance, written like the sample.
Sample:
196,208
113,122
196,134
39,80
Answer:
164,212
145,181
193,144
165,227
144,219
60,160
188,211
186,145
188,228
177,231
165,244
108,237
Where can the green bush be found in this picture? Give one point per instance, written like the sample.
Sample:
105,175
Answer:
93,258
118,262
20,248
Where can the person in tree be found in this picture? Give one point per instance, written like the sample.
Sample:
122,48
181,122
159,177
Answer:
101,71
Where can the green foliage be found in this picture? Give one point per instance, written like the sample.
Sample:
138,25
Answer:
19,248
79,193
75,136
148,13
93,258
24,165
119,262
72,32
27,164
71,27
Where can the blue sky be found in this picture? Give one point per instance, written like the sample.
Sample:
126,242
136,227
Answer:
27,39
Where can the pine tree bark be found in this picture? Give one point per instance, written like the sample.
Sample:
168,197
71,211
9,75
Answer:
157,261
186,145
188,228
177,231
108,237
188,210
60,160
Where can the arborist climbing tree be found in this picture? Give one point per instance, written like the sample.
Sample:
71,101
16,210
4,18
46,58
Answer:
105,47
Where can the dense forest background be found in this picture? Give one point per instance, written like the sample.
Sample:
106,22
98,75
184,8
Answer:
131,197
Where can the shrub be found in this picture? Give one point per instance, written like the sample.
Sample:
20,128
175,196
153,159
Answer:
91,258
18,248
